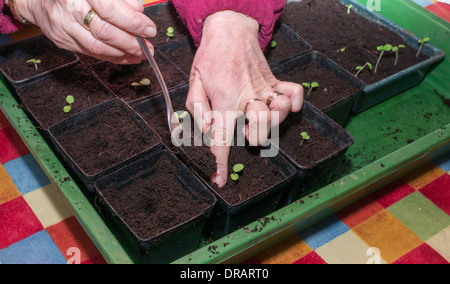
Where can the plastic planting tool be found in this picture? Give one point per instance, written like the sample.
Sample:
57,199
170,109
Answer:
172,125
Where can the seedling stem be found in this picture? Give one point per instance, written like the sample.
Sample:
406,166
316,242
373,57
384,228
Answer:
383,49
310,86
360,68
35,62
422,42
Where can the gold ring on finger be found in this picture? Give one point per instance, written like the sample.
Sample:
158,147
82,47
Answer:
273,96
88,19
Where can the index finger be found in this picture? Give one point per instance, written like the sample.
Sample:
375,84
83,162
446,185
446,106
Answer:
124,16
222,136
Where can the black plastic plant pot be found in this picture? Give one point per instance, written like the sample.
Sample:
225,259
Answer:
180,52
337,91
103,139
287,44
256,194
405,79
25,61
316,145
156,207
127,81
164,15
229,218
45,99
154,111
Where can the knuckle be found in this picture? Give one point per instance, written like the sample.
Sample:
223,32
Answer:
107,9
104,31
97,48
135,23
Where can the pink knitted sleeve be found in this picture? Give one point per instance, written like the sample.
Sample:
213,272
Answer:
8,24
266,12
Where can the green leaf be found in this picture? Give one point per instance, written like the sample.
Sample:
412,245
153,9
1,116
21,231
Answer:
401,46
426,39
370,65
67,109
315,85
145,82
358,68
387,47
234,177
380,48
70,99
37,61
395,49
238,168
184,114
307,85
273,44
135,84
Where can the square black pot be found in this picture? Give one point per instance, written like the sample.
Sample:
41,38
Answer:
167,245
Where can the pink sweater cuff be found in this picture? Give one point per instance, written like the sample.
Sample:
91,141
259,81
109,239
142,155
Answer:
266,12
8,24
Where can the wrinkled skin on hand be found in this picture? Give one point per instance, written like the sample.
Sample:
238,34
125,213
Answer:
113,29
229,70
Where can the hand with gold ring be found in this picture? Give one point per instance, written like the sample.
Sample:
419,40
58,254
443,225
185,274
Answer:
231,76
104,29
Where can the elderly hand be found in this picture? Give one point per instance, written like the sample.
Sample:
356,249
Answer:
113,29
228,72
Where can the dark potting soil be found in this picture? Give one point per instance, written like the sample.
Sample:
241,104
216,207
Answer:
326,25
17,68
258,176
110,138
119,78
154,113
183,57
166,17
310,151
155,204
284,48
88,60
331,90
46,98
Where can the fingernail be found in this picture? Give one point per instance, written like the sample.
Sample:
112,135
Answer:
150,31
220,181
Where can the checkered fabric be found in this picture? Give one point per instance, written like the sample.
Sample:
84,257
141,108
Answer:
406,222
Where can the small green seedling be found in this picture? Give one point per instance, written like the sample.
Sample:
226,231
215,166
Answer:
349,7
383,49
170,32
143,82
310,86
70,100
422,42
360,68
273,44
342,50
396,49
35,62
237,170
305,136
181,117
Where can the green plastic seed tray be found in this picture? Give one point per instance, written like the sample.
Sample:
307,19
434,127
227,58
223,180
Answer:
403,80
392,138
